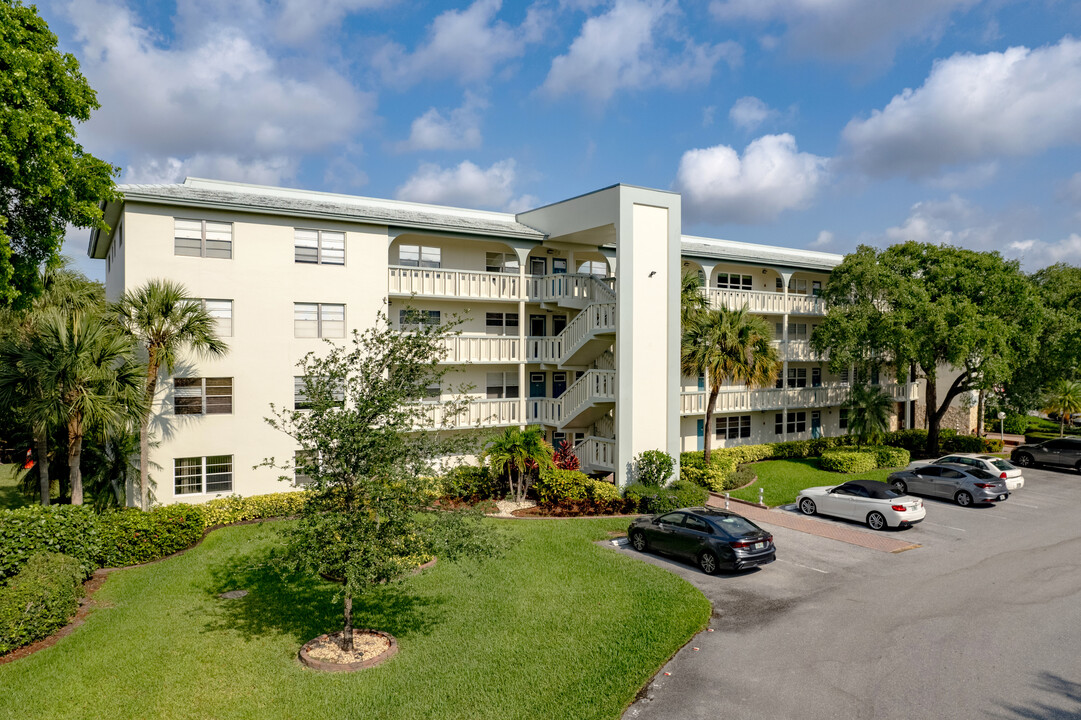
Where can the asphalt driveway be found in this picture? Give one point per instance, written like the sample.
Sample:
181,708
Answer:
982,621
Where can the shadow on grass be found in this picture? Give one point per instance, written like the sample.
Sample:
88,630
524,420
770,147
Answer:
303,606
1063,700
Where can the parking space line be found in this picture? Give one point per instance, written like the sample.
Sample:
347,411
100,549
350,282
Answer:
951,527
792,562
1014,502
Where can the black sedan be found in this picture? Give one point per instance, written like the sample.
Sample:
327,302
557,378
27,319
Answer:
714,539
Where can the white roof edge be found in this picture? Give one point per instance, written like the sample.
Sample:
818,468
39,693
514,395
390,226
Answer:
319,196
797,255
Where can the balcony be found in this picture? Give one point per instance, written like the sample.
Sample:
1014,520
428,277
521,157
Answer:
478,413
571,290
544,350
742,400
455,284
543,411
588,334
596,454
765,303
589,398
481,349
798,351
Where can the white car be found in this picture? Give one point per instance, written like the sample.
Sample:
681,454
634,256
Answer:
866,501
1000,468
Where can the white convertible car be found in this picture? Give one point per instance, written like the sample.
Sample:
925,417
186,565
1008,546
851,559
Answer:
866,501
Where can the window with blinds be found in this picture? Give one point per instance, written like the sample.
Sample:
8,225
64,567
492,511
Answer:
419,256
199,475
318,320
202,238
301,401
203,396
321,247
222,312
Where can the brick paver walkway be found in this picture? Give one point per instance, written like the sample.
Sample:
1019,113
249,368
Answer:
813,526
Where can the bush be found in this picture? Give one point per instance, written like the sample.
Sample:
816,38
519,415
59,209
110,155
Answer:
471,483
40,599
131,536
962,443
649,499
1016,424
556,485
991,445
601,491
653,467
890,457
234,509
68,529
847,461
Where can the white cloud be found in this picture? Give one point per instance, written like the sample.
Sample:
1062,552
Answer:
867,31
634,45
302,20
465,45
771,177
954,221
261,171
974,108
824,239
458,130
749,112
220,103
970,177
292,22
1038,254
466,185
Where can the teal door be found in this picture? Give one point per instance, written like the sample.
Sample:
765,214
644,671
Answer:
701,434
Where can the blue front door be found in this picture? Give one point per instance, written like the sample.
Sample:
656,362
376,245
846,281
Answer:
701,434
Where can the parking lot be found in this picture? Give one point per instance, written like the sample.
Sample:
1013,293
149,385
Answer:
983,619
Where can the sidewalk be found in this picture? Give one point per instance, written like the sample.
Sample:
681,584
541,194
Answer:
884,541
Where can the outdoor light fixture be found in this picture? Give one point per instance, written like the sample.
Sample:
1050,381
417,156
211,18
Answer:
653,273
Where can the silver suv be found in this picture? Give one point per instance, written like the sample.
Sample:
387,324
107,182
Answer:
1062,451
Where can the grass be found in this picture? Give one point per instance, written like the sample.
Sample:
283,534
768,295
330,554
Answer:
558,627
782,480
10,497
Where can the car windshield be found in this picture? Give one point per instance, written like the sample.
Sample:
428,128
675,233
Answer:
736,526
1002,464
981,474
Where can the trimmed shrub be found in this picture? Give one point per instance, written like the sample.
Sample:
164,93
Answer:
991,445
962,443
234,509
847,461
890,457
653,467
556,485
654,500
131,536
68,529
601,491
471,483
1015,423
40,599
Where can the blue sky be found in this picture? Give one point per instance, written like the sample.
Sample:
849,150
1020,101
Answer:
815,124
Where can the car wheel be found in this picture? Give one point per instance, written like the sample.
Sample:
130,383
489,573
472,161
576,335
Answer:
876,521
1024,460
900,486
963,499
708,562
638,540
807,506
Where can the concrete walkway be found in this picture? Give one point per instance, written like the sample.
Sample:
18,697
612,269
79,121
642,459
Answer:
885,541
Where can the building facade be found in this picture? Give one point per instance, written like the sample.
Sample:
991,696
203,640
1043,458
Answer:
569,319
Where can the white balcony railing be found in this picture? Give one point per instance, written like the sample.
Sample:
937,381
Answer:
482,413
572,290
596,453
743,400
765,303
597,318
798,351
466,284
545,411
544,349
593,387
481,349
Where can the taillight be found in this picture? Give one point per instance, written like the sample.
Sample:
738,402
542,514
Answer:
984,485
898,508
1002,476
750,543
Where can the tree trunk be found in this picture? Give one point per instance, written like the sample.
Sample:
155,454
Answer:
981,399
144,430
75,452
1062,424
41,440
931,403
707,434
347,633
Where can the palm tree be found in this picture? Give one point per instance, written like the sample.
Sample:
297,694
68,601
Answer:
166,321
691,299
517,453
727,345
868,413
1065,400
85,375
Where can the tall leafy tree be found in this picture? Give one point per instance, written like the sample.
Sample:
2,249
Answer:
363,441
727,345
518,454
47,179
1063,399
919,308
85,374
167,322
869,410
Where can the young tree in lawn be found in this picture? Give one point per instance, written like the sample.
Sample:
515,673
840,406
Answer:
1063,399
519,454
923,307
727,345
47,180
868,413
163,317
364,441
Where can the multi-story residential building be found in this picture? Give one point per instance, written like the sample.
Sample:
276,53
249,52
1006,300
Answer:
569,312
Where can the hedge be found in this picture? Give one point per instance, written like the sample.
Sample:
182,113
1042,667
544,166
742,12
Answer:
131,536
847,461
654,500
890,457
234,509
40,599
471,484
68,529
555,485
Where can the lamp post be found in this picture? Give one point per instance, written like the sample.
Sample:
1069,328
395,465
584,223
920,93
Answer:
1002,428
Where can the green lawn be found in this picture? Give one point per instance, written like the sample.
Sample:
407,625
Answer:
783,479
10,497
557,628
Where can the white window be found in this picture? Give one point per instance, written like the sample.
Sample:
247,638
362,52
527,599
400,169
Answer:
734,281
222,312
300,462
202,238
501,323
736,426
502,385
598,268
798,286
797,422
501,262
318,320
419,256
797,331
198,475
322,247
203,396
300,394
411,319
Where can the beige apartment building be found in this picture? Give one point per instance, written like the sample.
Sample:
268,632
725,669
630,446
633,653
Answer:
570,319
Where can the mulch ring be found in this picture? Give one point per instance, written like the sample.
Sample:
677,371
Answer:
85,606
370,648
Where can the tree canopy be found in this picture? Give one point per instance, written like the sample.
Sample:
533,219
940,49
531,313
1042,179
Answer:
47,179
